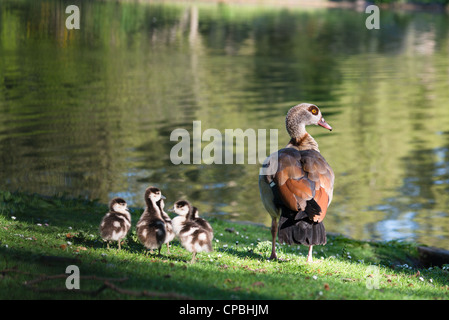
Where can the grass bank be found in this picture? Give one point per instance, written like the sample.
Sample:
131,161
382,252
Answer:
41,236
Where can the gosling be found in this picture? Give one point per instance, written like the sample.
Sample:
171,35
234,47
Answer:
116,223
202,222
151,227
170,233
193,237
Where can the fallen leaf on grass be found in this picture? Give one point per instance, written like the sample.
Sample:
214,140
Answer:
326,287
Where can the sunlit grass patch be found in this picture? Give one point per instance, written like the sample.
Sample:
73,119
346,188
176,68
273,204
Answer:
41,236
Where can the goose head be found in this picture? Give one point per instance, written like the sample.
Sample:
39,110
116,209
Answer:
302,115
118,205
153,194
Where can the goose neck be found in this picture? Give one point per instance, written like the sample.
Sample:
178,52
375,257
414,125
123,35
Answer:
303,142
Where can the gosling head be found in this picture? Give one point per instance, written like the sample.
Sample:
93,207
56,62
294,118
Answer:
182,207
302,115
153,194
118,205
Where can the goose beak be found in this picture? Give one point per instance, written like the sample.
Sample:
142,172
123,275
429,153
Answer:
324,124
163,197
171,210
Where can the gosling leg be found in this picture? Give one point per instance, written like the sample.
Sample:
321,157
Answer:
193,257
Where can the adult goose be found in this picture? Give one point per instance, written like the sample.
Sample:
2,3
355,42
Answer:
296,183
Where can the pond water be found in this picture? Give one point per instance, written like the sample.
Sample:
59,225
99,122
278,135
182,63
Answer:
89,112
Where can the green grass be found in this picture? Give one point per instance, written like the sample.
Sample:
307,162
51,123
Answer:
41,236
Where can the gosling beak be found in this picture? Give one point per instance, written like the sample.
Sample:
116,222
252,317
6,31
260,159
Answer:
324,124
171,210
163,197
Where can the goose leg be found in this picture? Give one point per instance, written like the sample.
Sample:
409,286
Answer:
119,245
274,230
309,255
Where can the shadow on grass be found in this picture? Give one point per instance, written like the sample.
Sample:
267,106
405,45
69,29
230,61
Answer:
22,265
249,254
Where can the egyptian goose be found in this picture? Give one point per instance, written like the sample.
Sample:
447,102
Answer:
193,236
296,183
151,229
116,223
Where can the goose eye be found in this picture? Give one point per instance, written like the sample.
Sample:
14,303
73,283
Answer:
313,110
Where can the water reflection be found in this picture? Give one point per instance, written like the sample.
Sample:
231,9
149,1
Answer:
89,113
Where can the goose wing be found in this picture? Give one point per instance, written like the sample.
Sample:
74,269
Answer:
301,181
